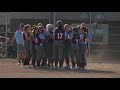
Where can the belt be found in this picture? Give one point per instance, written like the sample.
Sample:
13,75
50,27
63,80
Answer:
58,39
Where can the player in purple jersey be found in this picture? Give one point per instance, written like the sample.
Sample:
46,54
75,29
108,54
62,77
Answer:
90,37
26,36
49,44
85,40
59,37
67,42
44,60
75,48
32,44
40,44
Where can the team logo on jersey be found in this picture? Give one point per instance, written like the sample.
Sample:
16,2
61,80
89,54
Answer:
75,39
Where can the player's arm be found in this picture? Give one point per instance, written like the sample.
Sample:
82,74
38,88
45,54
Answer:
14,37
81,38
66,36
70,36
89,37
49,34
30,36
53,36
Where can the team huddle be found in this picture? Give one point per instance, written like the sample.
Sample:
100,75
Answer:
52,46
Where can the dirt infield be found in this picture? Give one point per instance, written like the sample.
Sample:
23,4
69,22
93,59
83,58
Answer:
10,69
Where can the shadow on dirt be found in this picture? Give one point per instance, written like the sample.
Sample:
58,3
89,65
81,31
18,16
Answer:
77,71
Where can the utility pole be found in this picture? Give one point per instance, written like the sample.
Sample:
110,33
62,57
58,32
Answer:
6,35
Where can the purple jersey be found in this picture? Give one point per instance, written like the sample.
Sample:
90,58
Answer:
85,39
75,39
59,34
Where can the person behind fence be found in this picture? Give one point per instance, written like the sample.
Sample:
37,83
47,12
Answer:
59,37
11,49
20,43
2,49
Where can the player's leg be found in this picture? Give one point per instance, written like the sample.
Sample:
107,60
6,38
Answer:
19,53
51,54
77,56
60,56
83,57
81,54
55,51
72,57
32,49
28,53
86,56
25,57
47,50
44,61
38,56
23,53
67,57
60,53
63,55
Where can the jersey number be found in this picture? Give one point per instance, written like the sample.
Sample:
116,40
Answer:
60,35
77,40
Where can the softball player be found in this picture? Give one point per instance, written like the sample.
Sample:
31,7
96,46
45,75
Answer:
49,44
75,48
58,44
66,50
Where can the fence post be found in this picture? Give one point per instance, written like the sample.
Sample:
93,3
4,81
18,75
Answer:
6,35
